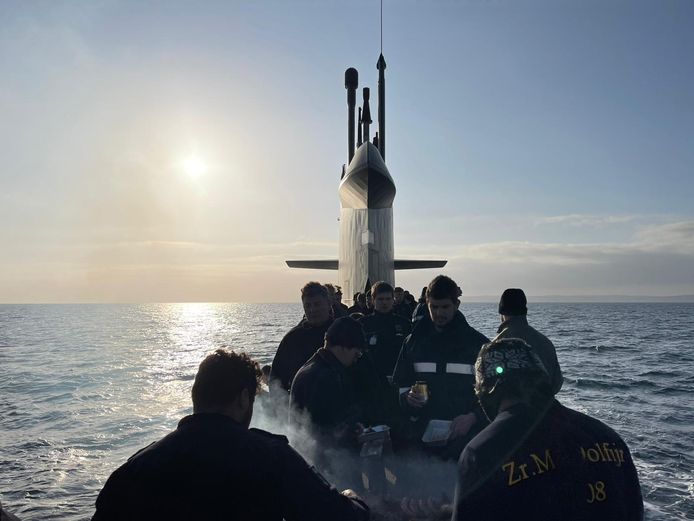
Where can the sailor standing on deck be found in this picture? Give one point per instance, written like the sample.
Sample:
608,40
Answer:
539,459
214,467
513,308
385,331
303,340
441,351
324,388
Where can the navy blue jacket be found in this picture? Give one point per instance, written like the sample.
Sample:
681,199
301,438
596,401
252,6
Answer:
211,467
553,465
297,346
446,361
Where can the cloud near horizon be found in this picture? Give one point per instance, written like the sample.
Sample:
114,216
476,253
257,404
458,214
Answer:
657,260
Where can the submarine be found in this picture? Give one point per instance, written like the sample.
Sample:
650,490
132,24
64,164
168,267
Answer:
366,252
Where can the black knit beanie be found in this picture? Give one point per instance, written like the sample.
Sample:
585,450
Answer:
513,302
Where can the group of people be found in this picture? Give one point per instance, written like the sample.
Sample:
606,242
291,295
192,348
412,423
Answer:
517,448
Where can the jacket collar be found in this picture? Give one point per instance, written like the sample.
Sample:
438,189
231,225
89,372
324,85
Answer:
516,320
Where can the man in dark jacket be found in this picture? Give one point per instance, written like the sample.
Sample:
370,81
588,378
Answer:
513,308
441,351
385,331
359,305
323,388
400,307
303,340
539,459
214,467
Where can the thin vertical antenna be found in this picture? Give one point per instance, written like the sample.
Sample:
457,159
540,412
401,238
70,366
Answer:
381,26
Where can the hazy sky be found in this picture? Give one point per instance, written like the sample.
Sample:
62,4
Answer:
180,151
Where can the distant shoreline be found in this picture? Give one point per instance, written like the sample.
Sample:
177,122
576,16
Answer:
481,299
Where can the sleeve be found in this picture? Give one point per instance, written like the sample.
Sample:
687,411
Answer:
554,369
111,497
469,503
306,495
404,375
318,401
635,508
279,374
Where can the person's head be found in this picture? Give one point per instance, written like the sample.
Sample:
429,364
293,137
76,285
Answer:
331,289
382,295
408,298
316,302
423,294
361,299
227,383
345,339
369,300
510,369
338,295
513,303
398,293
442,300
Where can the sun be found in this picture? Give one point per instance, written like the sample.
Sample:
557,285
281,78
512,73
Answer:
193,166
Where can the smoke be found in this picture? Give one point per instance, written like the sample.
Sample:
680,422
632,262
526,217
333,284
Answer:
382,480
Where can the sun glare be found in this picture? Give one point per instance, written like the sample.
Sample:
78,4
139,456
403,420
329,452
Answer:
194,166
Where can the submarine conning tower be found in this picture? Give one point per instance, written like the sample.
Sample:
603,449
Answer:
367,191
366,194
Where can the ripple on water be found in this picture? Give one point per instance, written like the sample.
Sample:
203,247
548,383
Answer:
120,378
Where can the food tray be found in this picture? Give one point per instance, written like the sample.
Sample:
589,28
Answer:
437,432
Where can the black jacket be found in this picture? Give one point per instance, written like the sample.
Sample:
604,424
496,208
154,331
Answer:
518,327
294,350
211,467
385,334
445,360
558,464
324,389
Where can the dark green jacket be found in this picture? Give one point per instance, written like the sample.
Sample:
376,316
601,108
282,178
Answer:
518,327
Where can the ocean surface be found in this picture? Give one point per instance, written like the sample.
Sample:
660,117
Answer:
82,387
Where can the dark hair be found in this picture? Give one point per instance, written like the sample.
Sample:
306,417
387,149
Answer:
443,287
399,289
331,289
314,289
381,287
423,294
221,377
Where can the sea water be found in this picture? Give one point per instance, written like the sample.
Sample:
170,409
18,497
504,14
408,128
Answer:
82,387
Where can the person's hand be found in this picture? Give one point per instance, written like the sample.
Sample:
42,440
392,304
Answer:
359,429
461,424
415,400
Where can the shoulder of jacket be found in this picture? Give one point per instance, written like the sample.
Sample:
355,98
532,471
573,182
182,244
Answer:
265,436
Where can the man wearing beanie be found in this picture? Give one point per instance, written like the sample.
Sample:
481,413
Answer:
513,308
323,387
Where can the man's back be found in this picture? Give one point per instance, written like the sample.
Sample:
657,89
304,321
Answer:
518,327
559,465
213,468
297,346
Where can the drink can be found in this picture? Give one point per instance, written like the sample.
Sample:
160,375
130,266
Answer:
421,389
